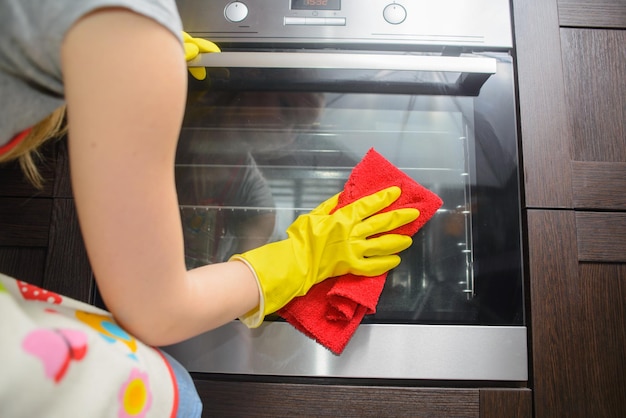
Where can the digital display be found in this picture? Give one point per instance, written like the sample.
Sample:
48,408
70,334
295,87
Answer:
316,4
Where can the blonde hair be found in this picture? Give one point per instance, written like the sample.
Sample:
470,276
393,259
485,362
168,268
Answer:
26,151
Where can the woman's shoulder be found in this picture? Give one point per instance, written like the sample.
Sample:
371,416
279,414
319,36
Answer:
31,34
54,17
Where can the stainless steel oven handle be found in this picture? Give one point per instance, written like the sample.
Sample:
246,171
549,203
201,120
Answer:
353,61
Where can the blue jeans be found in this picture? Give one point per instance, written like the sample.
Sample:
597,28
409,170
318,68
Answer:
189,404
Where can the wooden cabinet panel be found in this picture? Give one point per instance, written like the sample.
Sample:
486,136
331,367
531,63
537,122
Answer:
554,318
578,320
262,399
572,100
68,271
509,403
62,184
40,240
255,399
594,68
22,263
14,184
543,110
24,222
593,13
603,338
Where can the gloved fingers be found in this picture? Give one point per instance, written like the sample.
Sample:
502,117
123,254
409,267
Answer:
325,207
199,73
187,37
194,46
385,245
191,50
384,222
206,46
369,205
375,266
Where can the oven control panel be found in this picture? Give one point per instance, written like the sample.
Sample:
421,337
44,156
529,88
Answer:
470,24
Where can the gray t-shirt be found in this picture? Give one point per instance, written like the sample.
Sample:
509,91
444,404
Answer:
31,33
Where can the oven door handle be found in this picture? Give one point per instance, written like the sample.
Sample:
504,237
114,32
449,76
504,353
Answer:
337,61
473,71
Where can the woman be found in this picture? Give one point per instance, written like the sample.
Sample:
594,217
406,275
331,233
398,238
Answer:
119,68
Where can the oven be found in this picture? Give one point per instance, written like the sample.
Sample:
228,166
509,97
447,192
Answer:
301,90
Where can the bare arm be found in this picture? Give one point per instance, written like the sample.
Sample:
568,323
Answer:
125,81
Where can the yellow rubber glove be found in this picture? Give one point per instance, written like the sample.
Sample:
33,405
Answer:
323,245
193,47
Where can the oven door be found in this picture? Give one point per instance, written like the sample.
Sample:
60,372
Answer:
269,135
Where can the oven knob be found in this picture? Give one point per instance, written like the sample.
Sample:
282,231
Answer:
236,11
394,14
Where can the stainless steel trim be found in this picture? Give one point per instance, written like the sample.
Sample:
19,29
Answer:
476,24
377,351
346,61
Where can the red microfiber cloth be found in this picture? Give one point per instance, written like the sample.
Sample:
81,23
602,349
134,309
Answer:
332,310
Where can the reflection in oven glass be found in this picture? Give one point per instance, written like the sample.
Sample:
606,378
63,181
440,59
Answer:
249,163
227,205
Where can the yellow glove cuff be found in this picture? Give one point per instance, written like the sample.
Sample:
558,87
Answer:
253,318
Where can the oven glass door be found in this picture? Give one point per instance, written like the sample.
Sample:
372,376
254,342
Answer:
259,147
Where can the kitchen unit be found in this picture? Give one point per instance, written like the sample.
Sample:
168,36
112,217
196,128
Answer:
288,109
573,113
570,59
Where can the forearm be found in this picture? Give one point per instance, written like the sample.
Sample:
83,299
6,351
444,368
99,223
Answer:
180,308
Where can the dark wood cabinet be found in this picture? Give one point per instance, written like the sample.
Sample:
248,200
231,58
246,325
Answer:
572,105
578,312
24,223
255,399
594,68
40,240
571,66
